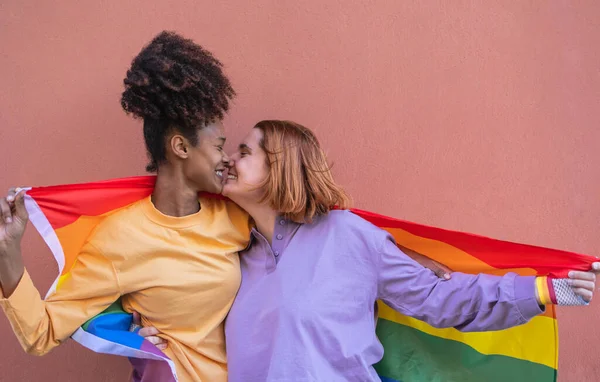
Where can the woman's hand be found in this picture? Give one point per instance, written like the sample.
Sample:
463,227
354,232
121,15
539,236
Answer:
440,270
584,283
577,289
13,219
150,333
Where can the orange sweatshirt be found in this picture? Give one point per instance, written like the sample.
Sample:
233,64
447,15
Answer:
180,274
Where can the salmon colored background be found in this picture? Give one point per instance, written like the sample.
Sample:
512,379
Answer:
478,116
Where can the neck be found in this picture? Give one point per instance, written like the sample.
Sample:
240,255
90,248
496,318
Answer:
172,195
264,217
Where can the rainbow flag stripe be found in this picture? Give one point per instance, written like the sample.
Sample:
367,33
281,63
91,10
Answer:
414,351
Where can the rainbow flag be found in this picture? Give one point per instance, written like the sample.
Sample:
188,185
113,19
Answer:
414,351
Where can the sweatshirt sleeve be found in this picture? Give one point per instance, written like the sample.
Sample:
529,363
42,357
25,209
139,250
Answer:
466,302
89,288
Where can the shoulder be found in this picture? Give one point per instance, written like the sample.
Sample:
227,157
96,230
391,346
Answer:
346,224
229,221
120,219
114,227
347,220
224,207
225,210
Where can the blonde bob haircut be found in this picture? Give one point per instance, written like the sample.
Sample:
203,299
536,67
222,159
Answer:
299,184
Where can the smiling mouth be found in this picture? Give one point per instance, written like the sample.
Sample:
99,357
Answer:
229,176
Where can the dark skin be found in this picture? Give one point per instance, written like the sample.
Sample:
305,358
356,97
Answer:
249,170
188,170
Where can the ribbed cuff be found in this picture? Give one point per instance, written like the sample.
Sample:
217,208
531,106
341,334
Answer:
24,299
527,304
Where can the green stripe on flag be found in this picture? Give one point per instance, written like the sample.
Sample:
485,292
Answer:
414,356
115,307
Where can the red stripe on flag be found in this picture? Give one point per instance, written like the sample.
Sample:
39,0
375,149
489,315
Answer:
64,204
497,253
551,290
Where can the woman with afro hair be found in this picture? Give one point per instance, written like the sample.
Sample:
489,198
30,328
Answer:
172,257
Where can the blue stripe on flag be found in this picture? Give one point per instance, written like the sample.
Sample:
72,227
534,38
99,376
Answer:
114,327
385,379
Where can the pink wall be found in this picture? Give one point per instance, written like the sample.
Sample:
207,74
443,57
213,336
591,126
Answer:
481,118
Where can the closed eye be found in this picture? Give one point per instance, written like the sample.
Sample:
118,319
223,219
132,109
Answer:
244,150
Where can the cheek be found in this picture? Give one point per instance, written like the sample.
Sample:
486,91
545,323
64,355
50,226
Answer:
208,161
200,168
254,172
213,158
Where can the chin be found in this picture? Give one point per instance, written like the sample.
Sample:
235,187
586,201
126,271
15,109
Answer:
224,191
214,188
228,191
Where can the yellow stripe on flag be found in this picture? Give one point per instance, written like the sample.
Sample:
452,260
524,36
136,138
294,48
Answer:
534,341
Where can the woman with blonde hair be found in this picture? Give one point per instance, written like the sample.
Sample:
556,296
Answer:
172,256
311,274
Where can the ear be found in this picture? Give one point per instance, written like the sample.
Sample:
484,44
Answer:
179,145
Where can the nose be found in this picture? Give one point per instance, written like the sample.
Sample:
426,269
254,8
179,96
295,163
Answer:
225,158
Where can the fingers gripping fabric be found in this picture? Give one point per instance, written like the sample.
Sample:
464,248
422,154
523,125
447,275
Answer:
558,292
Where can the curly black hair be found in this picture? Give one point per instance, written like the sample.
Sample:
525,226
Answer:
174,83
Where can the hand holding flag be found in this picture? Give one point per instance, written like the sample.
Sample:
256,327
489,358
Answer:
13,220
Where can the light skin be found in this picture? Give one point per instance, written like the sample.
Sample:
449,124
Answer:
189,169
249,168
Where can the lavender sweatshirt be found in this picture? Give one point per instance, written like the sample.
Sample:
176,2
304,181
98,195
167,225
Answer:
305,308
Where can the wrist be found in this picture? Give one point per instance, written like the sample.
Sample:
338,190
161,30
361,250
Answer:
11,270
9,251
10,255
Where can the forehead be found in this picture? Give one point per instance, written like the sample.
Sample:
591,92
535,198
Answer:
212,131
253,138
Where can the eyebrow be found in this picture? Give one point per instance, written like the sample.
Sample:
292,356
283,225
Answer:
245,146
222,139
